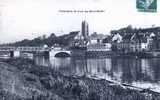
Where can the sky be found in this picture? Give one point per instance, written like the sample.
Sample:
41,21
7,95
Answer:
27,19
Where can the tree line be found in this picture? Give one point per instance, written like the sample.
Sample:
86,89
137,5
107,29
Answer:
63,40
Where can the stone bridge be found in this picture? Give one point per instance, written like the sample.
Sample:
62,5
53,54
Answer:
50,52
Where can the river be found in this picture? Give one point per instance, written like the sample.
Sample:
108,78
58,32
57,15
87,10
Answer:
144,73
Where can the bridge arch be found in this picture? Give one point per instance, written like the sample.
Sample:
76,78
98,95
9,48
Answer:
62,54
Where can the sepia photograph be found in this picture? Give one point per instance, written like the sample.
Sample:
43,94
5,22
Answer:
79,50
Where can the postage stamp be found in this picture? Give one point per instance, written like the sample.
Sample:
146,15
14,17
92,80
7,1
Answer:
146,5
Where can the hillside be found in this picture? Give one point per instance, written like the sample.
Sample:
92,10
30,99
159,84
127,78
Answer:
63,40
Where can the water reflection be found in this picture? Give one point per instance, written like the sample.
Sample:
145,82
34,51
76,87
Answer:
126,70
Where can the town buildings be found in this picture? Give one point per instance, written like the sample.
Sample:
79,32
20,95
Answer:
125,40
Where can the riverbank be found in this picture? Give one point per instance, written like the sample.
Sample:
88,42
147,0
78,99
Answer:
21,79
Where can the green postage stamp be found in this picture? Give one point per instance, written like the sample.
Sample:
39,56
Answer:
146,5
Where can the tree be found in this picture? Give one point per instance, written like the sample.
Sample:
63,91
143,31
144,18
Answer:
52,35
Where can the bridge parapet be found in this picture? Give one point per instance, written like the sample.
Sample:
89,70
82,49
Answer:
24,49
7,48
33,49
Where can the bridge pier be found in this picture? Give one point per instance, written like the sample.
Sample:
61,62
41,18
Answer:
14,54
11,54
46,54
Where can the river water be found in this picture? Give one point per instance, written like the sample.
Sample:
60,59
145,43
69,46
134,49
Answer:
144,73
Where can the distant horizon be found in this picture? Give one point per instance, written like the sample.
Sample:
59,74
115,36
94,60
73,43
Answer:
48,34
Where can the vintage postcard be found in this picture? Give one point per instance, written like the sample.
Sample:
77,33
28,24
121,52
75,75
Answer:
79,50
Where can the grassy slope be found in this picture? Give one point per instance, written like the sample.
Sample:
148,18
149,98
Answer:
47,84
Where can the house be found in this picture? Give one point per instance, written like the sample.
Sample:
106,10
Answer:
96,43
144,46
130,42
96,38
117,38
